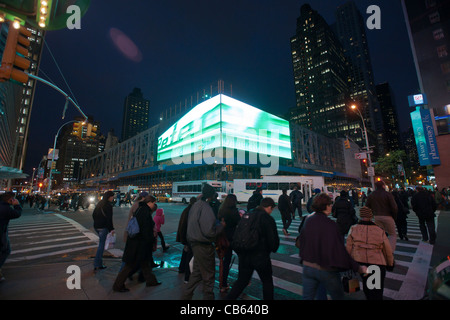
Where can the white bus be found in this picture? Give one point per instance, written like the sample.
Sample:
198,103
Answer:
184,190
272,186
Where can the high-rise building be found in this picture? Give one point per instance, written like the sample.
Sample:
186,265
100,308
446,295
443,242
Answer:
135,114
351,31
16,101
389,116
75,146
320,77
428,24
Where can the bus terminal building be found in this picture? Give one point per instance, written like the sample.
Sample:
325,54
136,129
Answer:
223,139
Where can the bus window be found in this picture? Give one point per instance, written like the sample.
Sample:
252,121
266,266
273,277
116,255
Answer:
262,185
250,186
272,186
283,185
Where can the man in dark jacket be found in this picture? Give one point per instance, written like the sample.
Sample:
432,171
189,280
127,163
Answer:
285,207
7,213
296,199
384,211
424,206
344,212
259,259
255,199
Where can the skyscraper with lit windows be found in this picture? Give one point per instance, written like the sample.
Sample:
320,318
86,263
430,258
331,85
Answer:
320,76
135,114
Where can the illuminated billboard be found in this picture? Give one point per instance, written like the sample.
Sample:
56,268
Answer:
224,122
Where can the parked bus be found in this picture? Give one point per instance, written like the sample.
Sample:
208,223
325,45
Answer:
272,186
184,190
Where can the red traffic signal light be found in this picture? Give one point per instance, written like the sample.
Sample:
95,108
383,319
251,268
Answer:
14,60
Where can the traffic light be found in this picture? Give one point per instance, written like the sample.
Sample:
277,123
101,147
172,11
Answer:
78,129
15,56
347,144
91,130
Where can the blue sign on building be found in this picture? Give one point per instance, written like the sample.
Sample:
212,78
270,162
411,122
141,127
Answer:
417,100
425,137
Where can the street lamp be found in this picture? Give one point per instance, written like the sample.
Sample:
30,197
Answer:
53,157
354,107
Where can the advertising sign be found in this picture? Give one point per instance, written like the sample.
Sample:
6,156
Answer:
417,100
425,137
224,122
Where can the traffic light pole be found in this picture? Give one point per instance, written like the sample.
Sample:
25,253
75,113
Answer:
59,90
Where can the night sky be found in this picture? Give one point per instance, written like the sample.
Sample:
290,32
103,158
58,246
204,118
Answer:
174,48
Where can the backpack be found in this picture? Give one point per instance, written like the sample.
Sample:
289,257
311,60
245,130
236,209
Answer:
246,236
253,202
133,227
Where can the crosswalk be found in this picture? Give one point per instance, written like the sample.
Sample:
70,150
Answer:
41,236
406,282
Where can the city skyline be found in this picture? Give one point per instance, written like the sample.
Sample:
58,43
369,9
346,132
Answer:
183,49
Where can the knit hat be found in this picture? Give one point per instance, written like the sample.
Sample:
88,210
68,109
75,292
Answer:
365,213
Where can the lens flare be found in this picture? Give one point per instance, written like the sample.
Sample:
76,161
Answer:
125,45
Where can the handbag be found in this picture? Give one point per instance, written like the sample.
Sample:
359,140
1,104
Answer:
110,241
350,282
132,228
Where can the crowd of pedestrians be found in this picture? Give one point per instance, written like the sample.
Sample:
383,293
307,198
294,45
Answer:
208,229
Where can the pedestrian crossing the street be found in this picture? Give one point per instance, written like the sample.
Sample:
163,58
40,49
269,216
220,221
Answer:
43,236
407,281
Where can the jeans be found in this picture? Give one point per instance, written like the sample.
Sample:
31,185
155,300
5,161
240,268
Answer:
102,233
331,280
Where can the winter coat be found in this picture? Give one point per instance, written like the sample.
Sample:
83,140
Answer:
139,248
344,213
158,219
284,204
382,203
423,205
202,226
321,243
7,213
368,243
103,216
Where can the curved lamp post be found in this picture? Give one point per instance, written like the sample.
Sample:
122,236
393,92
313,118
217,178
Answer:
354,107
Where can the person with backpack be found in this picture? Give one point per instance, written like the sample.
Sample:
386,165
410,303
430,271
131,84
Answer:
202,231
310,200
285,207
296,199
255,199
138,249
254,239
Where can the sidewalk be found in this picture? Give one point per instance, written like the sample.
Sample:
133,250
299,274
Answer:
48,281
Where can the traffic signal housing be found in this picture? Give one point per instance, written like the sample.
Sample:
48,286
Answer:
78,129
347,144
91,130
15,56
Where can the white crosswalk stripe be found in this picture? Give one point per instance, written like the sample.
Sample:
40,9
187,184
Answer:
406,282
47,235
